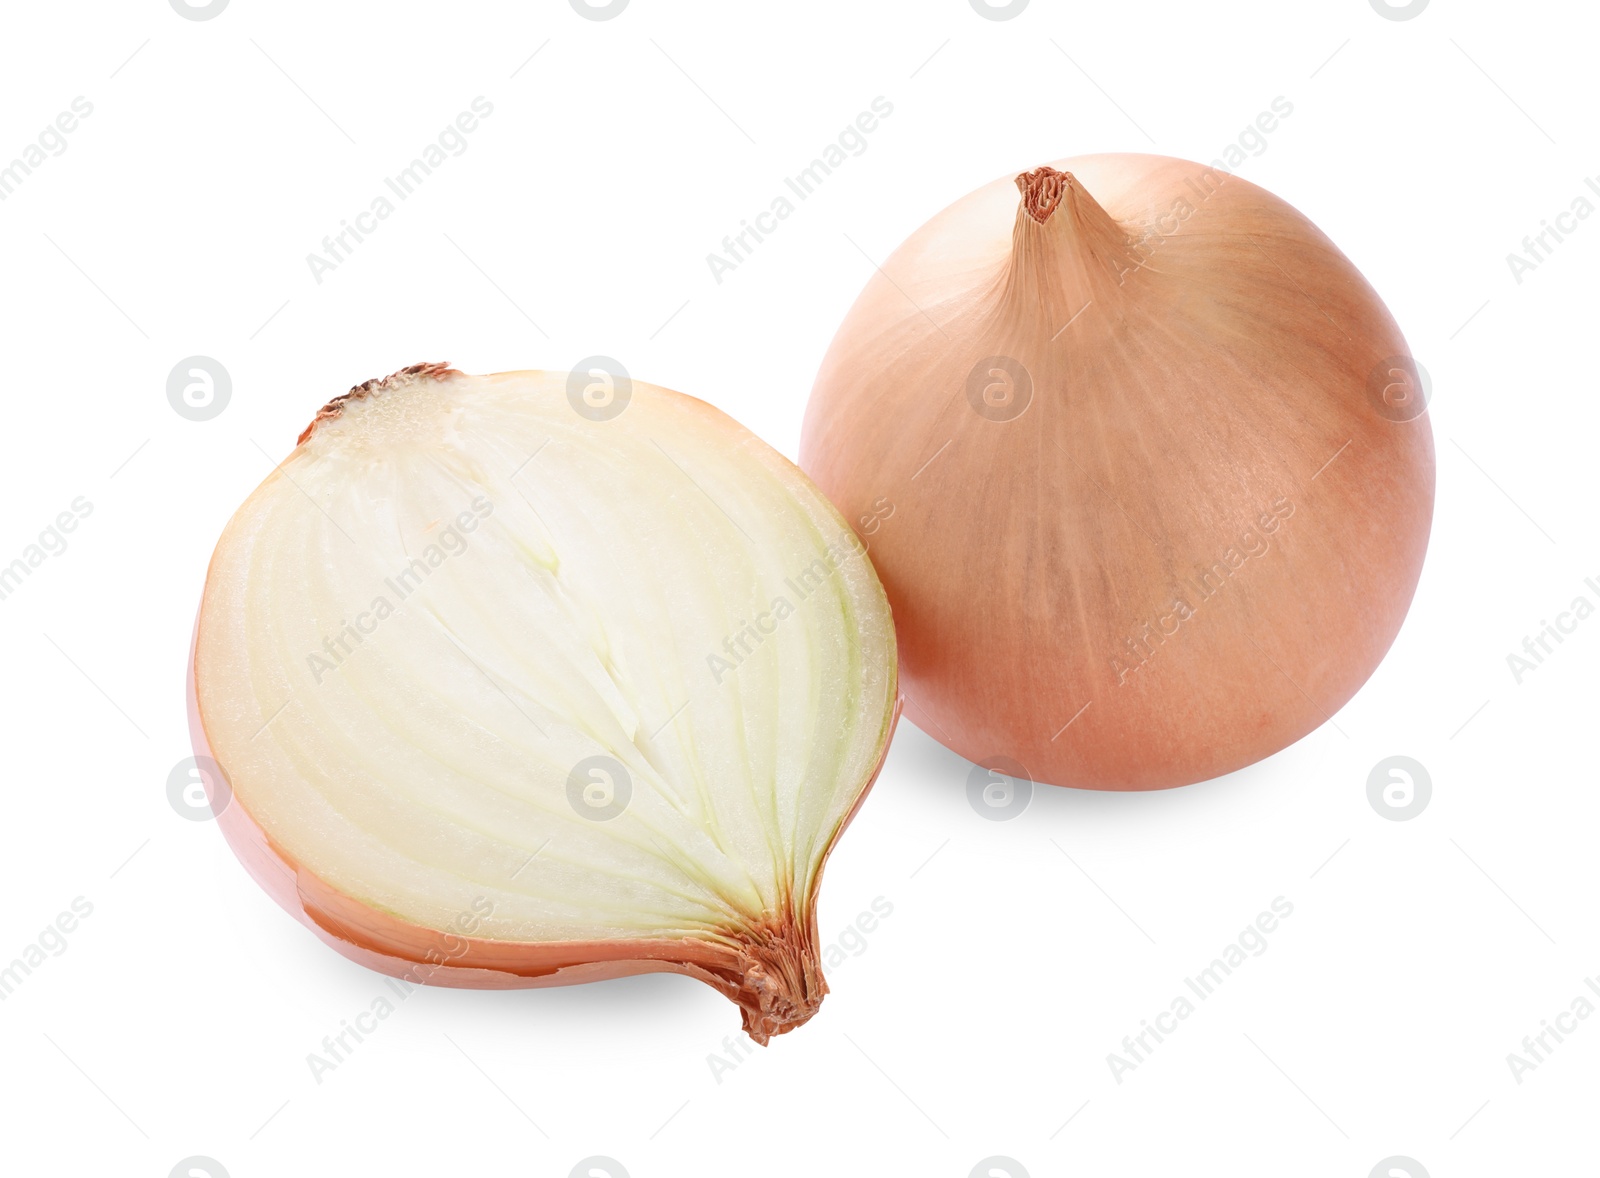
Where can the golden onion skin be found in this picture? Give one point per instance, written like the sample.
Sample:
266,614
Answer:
1143,463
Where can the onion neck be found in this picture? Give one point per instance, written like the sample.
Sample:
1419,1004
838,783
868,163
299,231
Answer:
1066,250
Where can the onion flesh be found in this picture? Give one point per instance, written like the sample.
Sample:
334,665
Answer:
504,694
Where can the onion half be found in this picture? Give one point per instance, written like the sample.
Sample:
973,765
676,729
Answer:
1146,473
517,684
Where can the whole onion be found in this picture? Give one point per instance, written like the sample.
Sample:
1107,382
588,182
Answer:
528,679
1142,462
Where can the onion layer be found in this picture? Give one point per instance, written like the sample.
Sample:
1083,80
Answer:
524,679
1146,473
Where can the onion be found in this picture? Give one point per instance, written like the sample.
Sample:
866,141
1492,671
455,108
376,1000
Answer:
1144,472
529,679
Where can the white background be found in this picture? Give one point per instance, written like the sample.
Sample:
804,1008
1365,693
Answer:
978,1019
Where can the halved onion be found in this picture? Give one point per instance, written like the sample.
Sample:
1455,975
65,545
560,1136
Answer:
518,685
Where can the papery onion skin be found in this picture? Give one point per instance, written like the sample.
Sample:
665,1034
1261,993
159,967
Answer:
1053,419
771,971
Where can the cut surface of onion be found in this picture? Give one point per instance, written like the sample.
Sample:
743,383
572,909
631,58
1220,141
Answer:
514,685
1143,462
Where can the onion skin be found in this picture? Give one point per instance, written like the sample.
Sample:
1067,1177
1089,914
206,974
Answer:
1187,374
775,979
